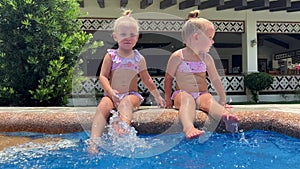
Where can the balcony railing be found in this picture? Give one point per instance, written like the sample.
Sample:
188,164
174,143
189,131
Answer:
233,85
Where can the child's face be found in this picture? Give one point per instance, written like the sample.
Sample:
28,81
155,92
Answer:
204,40
126,36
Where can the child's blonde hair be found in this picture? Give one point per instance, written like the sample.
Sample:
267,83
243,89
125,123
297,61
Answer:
195,24
126,19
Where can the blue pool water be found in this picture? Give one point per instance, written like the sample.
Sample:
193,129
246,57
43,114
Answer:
252,149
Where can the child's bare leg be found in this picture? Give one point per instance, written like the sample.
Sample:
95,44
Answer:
187,112
126,107
100,120
216,112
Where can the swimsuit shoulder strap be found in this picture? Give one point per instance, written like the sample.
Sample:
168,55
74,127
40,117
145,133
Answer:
112,52
181,54
137,55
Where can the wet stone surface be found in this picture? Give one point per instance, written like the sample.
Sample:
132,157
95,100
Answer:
145,120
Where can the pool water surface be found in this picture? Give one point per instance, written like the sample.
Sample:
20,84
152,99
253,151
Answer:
251,149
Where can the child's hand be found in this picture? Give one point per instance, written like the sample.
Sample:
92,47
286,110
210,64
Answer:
222,102
160,101
169,104
115,98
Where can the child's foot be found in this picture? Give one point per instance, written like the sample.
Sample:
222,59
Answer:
193,133
118,128
231,122
93,149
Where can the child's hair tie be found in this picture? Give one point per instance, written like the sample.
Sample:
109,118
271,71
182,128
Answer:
127,13
194,14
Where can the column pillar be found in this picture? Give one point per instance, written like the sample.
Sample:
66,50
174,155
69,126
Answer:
249,45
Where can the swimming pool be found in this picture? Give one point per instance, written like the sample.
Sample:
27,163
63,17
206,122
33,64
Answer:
265,142
251,149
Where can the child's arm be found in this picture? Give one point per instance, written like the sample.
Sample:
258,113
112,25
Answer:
169,77
103,77
215,79
168,89
147,80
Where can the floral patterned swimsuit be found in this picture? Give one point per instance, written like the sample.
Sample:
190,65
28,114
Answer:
119,62
190,67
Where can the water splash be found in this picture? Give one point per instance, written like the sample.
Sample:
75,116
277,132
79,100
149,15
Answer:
121,139
243,138
117,127
236,127
230,110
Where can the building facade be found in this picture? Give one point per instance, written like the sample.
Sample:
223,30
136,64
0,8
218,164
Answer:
250,37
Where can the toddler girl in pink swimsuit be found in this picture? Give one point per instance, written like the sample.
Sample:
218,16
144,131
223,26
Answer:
189,65
119,76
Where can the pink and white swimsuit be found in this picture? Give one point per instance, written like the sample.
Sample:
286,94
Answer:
119,62
190,67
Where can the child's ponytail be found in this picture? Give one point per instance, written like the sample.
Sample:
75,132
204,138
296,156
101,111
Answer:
127,12
126,19
194,14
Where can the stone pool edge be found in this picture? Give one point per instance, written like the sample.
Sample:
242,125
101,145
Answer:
146,121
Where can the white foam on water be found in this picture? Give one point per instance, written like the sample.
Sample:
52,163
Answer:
33,150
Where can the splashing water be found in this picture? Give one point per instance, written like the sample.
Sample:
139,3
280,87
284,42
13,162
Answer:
236,129
230,109
118,127
243,138
121,139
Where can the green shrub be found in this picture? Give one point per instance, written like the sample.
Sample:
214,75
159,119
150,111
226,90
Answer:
256,82
40,41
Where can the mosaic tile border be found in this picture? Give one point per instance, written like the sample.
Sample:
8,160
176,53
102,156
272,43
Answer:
278,27
94,24
232,85
284,83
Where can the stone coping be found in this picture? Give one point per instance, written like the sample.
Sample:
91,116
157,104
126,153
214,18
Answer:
147,120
